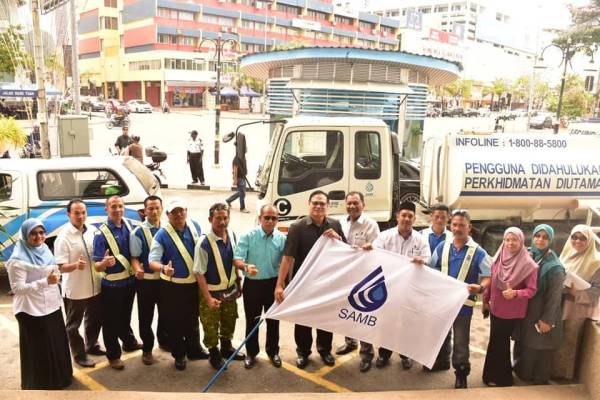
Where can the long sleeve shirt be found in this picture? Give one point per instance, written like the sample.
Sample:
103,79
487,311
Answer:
514,308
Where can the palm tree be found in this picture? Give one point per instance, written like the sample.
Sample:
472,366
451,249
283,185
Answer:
497,87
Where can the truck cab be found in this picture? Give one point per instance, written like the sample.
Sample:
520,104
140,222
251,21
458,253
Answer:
335,155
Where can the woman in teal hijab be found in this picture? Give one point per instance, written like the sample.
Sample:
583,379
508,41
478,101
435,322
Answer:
43,343
540,332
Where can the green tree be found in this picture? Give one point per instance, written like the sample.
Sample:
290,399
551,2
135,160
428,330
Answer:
497,88
12,56
459,89
576,101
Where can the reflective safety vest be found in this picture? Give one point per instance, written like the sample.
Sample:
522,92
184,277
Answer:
152,276
116,252
185,254
224,282
464,268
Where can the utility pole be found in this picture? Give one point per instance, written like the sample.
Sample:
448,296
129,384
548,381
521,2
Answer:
75,59
38,55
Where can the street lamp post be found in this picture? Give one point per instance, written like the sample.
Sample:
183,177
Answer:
568,50
219,44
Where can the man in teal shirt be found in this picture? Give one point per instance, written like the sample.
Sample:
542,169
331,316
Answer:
259,254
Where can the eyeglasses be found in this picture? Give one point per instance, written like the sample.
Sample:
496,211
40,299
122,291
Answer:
37,233
318,203
581,238
270,218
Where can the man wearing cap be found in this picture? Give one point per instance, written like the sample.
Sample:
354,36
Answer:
462,259
171,254
147,281
402,239
438,231
258,254
195,151
219,284
111,256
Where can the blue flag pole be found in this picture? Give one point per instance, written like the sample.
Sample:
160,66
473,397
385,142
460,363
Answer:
224,367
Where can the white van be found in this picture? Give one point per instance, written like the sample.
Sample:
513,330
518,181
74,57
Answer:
38,188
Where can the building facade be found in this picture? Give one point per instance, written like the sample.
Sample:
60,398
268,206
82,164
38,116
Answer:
157,49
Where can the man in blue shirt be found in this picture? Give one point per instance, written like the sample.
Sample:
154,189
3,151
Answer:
258,254
466,261
437,232
111,256
147,281
171,254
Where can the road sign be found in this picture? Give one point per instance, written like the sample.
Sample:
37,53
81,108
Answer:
51,5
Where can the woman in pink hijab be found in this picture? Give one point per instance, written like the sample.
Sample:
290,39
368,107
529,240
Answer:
514,282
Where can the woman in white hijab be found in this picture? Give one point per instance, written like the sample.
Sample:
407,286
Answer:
43,343
580,258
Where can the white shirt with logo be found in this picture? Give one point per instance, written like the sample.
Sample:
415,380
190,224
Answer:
414,246
360,232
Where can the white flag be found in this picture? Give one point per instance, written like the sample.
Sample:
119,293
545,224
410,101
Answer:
376,296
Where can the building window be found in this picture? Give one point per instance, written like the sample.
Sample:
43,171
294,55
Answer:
319,16
365,25
110,3
186,16
144,65
589,83
109,23
367,155
386,29
187,41
167,13
440,9
288,9
210,19
224,21
167,39
456,7
343,20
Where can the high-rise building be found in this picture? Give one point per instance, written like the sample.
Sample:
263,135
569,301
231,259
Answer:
155,49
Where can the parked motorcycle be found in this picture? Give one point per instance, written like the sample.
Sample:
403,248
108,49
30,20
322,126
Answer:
157,157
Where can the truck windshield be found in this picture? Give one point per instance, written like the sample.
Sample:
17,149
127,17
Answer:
266,168
143,174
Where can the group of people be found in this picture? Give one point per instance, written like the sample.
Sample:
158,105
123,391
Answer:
172,264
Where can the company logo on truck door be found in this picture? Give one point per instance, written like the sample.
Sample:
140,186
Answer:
283,206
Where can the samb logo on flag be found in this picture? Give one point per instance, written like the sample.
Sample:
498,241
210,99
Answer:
366,296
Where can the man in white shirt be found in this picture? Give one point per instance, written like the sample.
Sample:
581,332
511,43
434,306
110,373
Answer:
404,240
359,230
81,283
195,151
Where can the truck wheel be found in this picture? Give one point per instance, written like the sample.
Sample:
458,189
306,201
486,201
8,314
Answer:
410,196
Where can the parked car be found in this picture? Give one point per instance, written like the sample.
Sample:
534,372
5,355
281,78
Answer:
93,103
484,111
519,112
410,181
541,120
139,106
453,112
471,112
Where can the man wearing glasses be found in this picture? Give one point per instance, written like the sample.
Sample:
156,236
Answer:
462,259
258,254
404,240
302,235
359,230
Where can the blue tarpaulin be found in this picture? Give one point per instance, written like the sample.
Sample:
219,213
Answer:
248,92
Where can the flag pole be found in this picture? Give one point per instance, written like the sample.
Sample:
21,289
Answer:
224,367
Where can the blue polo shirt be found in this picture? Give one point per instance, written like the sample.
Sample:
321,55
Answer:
255,247
163,249
480,266
121,235
139,246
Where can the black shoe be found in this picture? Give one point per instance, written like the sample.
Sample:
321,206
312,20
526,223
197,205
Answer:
407,363
194,182
275,360
180,363
227,350
198,354
461,379
364,366
249,362
96,351
82,360
133,347
345,349
328,359
437,367
215,358
382,362
301,362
